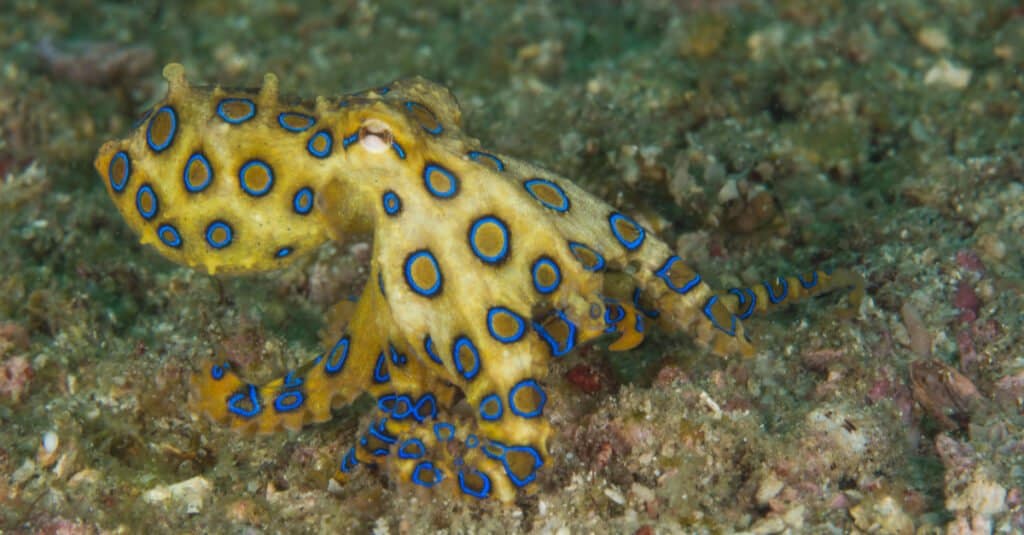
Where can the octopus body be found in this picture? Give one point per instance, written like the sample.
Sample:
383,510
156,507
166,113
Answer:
484,268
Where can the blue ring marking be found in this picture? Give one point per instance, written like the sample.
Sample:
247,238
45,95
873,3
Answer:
483,492
639,323
417,474
453,183
444,431
283,252
169,235
285,115
398,359
574,246
428,346
616,217
776,299
379,431
612,305
386,403
731,331
160,147
392,203
382,90
538,461
541,262
148,215
245,186
490,408
472,372
425,292
650,313
189,186
808,284
412,448
228,234
745,296
663,274
380,371
349,461
338,356
398,150
349,139
492,314
426,399
252,397
413,106
118,185
328,144
475,155
501,255
561,207
236,120
291,381
527,383
217,371
380,282
282,403
472,441
570,342
302,203
402,407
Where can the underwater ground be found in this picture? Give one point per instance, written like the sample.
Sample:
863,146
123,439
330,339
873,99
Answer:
760,138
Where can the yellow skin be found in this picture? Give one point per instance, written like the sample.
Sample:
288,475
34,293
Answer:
484,268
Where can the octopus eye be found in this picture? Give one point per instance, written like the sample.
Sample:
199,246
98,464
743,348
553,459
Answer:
375,136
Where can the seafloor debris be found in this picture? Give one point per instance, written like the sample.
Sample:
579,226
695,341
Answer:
96,63
944,393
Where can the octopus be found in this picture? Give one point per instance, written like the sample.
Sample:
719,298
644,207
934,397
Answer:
484,270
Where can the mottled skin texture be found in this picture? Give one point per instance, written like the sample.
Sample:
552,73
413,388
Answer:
484,268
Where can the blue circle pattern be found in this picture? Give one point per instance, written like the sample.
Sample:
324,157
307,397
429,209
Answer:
169,235
161,146
442,193
392,203
631,245
492,316
499,452
147,190
283,117
476,155
236,120
546,288
433,289
490,408
283,252
485,489
532,385
324,137
302,203
413,106
118,184
196,188
338,356
245,185
422,469
214,227
428,346
562,206
470,372
498,257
